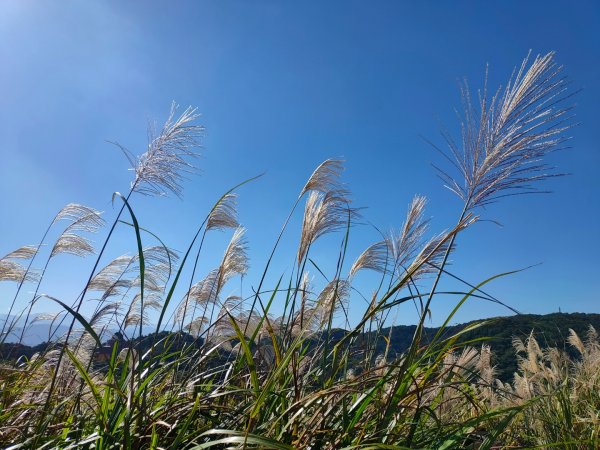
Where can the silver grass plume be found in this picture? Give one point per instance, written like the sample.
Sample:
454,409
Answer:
592,335
576,341
376,257
111,279
24,252
462,364
12,271
195,326
224,214
72,244
308,320
503,143
432,254
400,247
487,372
332,298
160,168
76,213
133,316
251,323
83,219
207,290
235,259
325,178
405,244
202,293
304,318
327,207
324,213
222,326
46,317
104,313
233,303
159,263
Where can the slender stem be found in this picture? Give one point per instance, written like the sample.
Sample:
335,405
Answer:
13,323
78,307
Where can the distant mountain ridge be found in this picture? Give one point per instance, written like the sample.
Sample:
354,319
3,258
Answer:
550,330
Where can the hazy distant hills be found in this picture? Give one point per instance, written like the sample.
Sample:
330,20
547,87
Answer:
36,333
40,331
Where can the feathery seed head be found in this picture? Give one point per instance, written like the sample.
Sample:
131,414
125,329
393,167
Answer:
224,214
12,271
235,260
72,244
25,252
160,169
504,144
324,213
325,178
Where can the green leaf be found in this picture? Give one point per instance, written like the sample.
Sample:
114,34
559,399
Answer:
237,437
79,318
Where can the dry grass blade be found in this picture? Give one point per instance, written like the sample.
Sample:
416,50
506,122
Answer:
160,168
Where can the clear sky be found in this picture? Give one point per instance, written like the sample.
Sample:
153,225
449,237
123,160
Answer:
282,86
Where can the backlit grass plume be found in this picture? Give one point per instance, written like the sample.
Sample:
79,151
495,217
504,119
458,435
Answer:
160,169
504,140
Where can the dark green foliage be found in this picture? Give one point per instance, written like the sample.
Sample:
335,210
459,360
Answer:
550,330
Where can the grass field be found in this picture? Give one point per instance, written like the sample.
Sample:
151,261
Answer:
231,374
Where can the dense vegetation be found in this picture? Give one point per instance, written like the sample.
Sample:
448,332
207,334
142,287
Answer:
550,330
241,376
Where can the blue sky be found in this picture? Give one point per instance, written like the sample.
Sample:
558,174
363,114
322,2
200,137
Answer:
282,86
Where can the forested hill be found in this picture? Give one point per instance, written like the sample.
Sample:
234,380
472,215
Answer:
550,330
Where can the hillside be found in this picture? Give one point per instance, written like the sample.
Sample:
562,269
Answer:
549,329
